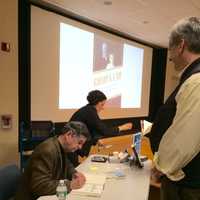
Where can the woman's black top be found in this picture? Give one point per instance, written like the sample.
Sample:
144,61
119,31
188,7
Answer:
89,116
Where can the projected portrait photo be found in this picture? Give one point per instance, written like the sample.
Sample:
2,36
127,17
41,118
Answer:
107,68
107,54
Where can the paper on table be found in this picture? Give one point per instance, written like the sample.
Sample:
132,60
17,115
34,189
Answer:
52,197
145,126
93,187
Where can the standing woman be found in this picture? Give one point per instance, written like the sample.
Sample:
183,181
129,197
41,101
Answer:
89,115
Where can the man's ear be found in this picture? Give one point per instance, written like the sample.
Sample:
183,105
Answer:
181,46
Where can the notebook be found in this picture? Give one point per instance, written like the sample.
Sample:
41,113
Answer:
94,185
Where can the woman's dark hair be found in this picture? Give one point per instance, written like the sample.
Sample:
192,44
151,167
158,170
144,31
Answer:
96,96
78,128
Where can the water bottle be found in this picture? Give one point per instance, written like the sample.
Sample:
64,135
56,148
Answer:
61,190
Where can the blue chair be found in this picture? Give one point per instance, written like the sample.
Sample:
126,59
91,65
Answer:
9,178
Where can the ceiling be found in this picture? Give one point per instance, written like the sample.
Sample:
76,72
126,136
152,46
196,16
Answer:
147,20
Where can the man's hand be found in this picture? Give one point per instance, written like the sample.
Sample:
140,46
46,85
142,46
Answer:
100,143
125,127
156,175
78,181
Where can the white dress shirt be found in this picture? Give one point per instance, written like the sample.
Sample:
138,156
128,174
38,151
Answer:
181,142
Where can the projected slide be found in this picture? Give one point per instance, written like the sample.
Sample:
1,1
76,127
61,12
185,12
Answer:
89,61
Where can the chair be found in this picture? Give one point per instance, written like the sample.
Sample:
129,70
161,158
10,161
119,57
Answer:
9,178
41,130
31,135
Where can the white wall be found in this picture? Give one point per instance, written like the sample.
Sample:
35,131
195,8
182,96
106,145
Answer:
9,81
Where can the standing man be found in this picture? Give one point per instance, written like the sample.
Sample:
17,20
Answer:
48,164
175,135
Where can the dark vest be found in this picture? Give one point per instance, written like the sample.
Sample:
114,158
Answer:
164,119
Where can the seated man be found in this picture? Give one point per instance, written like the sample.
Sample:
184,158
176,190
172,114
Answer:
48,164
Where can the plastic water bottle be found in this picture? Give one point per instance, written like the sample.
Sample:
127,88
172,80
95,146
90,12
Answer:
61,190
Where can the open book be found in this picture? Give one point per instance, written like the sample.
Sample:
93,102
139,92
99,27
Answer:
145,126
93,187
